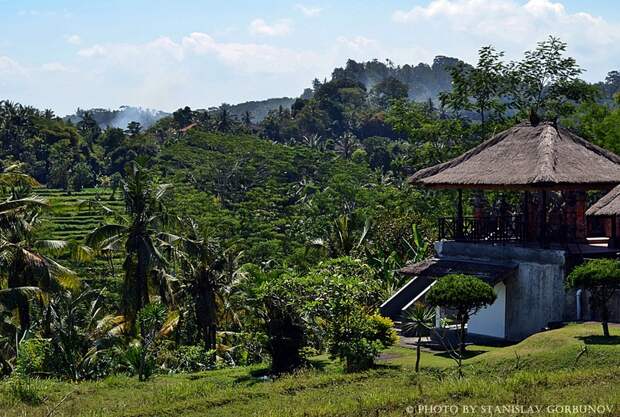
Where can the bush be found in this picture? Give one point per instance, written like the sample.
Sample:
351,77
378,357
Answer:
185,358
356,337
34,357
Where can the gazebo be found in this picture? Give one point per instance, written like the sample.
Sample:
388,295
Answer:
608,208
548,165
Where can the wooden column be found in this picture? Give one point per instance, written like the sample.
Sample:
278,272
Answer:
458,232
580,216
613,240
570,215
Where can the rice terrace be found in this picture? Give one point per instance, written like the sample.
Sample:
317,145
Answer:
406,208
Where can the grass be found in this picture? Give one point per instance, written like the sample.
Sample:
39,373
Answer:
546,373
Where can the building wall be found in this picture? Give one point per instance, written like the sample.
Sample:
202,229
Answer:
535,296
491,321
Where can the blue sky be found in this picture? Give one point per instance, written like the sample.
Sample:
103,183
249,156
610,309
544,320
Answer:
165,54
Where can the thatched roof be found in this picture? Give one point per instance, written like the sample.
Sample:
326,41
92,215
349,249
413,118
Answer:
609,205
527,157
437,268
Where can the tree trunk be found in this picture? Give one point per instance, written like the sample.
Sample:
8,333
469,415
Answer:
206,310
605,319
462,337
417,359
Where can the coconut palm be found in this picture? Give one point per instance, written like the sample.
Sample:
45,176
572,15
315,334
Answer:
346,145
344,238
136,233
209,279
418,321
25,261
25,264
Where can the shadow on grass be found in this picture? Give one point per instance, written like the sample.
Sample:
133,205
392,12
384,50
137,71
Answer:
264,374
600,340
386,366
468,354
255,376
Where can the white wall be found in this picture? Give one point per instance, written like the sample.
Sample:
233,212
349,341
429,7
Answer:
491,321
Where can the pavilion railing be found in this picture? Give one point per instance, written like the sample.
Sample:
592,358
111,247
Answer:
483,229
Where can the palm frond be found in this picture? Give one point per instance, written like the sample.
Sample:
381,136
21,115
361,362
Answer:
65,277
102,233
49,244
10,296
82,253
34,201
171,322
162,190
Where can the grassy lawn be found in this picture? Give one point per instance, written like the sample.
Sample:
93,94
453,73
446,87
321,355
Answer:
546,373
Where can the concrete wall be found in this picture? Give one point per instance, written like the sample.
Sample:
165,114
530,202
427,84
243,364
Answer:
491,321
535,296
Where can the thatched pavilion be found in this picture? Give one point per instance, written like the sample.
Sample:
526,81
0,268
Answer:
608,208
526,242
549,165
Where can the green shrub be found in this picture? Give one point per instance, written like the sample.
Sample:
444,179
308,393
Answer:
356,337
185,358
34,357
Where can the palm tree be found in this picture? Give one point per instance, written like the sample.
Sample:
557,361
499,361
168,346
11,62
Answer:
224,119
417,321
24,259
209,279
344,238
346,145
137,233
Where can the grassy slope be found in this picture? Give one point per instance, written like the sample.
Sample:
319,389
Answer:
545,374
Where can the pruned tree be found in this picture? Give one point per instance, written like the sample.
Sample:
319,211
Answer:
465,295
601,277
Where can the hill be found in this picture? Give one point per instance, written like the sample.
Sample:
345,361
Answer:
423,81
259,109
492,379
120,117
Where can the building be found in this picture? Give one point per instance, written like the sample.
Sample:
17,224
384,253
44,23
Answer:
524,229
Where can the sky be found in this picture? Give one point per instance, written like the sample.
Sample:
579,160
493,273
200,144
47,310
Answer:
164,54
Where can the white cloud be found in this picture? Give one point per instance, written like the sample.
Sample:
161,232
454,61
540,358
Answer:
9,66
309,11
515,26
357,42
73,39
243,57
56,67
509,19
279,28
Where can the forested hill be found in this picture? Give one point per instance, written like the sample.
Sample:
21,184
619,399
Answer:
120,117
423,81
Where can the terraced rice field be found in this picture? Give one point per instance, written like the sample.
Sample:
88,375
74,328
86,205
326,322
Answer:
71,220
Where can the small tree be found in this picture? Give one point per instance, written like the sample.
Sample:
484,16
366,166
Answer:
602,278
465,294
150,320
417,321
